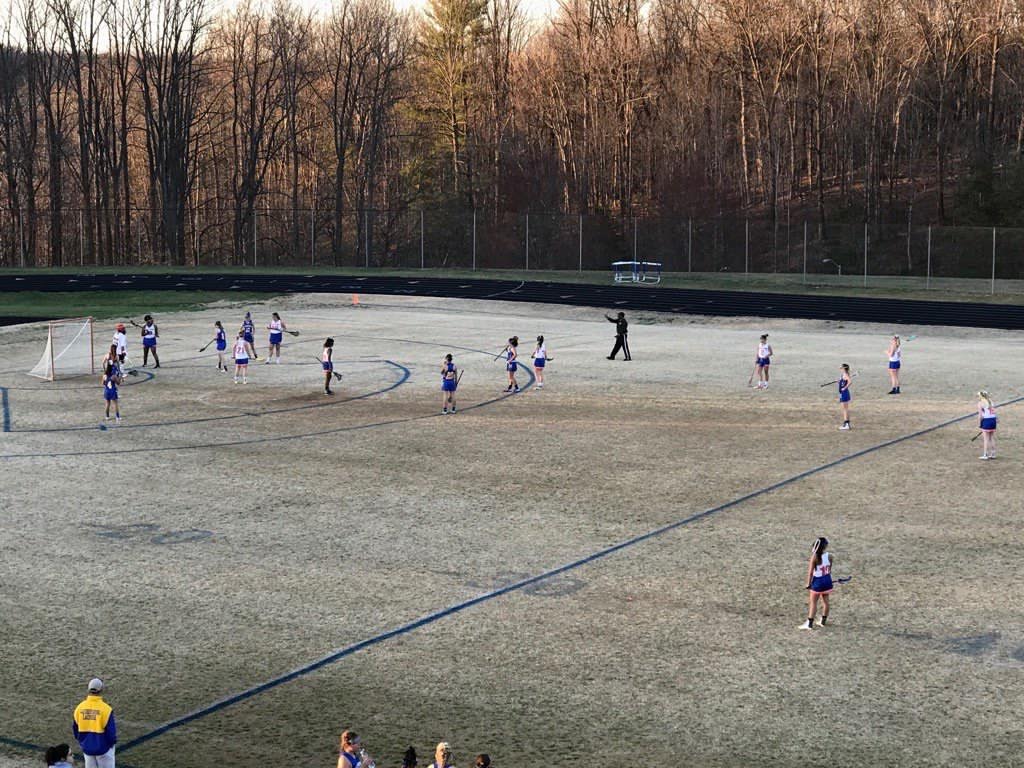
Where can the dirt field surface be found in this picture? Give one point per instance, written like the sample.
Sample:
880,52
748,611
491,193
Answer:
226,536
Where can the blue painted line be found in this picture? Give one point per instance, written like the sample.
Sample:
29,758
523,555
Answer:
226,417
436,616
28,747
20,744
5,409
406,373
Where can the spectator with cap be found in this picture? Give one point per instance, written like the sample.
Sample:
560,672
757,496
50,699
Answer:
621,333
95,729
59,756
442,756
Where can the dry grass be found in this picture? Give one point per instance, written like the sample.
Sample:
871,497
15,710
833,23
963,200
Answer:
680,650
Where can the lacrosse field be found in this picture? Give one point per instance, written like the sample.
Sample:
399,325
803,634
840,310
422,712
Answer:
609,569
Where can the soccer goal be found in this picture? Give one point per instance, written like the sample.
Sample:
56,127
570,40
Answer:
69,349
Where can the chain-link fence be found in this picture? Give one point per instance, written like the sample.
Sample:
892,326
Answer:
971,259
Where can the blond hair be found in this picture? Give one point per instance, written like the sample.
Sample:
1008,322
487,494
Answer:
983,395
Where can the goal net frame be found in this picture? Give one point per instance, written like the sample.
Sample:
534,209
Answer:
53,368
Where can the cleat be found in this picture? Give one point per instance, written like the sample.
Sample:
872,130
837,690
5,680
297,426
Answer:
806,625
845,427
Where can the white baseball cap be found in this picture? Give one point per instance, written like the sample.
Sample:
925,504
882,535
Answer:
95,685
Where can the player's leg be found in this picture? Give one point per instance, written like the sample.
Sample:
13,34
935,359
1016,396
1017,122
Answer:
812,609
824,611
616,348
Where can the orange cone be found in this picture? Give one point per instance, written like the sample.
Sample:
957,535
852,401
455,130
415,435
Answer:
355,299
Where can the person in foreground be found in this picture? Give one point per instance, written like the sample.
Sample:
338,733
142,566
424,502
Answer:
819,582
95,728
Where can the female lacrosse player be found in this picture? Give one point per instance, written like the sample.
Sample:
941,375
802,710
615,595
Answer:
763,361
277,329
987,423
241,352
449,383
511,365
819,582
248,334
111,378
111,355
220,338
327,361
895,353
540,359
844,394
120,340
149,336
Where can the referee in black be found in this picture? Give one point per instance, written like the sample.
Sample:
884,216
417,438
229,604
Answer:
621,332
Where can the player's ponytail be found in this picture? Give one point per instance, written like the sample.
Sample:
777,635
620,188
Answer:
984,395
820,545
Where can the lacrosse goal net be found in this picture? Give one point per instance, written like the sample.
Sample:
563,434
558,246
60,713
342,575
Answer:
69,349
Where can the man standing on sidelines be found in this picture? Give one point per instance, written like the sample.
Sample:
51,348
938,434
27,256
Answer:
621,330
95,729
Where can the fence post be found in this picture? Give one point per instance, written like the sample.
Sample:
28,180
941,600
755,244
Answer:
422,263
21,223
81,239
928,274
312,235
581,242
527,242
474,240
993,261
746,247
255,213
689,245
805,252
865,254
634,239
366,236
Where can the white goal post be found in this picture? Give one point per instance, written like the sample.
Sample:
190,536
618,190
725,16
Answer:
69,349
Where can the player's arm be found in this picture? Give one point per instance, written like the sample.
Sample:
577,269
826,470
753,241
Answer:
810,572
156,331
